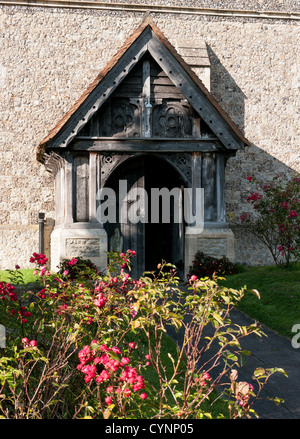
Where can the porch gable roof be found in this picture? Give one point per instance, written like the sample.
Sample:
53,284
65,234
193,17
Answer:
146,38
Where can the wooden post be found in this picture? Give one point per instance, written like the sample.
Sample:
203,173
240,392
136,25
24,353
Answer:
59,196
209,185
69,218
147,107
220,182
93,185
196,177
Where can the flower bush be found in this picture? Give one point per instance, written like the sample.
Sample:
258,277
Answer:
76,268
97,346
275,217
207,266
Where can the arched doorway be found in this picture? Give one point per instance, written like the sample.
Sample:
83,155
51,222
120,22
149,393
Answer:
154,191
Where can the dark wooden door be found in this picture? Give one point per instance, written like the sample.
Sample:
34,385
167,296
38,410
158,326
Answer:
153,242
124,181
134,232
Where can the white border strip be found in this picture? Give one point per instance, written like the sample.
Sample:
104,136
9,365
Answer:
75,4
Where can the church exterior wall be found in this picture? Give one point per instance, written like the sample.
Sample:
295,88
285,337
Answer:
50,55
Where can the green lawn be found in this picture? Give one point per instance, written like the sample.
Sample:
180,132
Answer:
27,276
279,288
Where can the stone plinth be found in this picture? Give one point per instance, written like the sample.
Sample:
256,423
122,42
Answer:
216,240
81,241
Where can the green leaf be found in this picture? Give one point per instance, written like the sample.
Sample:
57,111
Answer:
171,358
218,318
278,369
135,324
276,400
246,353
259,372
108,411
255,292
232,357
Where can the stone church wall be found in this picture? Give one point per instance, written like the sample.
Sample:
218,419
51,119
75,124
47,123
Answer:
49,56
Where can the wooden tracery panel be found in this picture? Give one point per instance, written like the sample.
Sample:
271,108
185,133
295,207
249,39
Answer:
172,119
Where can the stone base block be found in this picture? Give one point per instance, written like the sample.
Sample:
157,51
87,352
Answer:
213,241
87,243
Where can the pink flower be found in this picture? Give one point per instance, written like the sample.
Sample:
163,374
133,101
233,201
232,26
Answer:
116,350
249,179
244,217
33,343
254,197
293,214
25,340
132,344
125,360
127,393
99,379
88,378
105,375
65,273
17,267
143,395
108,400
284,205
42,272
193,278
40,259
206,376
101,301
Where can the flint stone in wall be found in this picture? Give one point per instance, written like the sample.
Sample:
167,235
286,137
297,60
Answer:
50,56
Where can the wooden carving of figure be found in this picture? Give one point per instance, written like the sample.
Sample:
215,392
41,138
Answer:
116,242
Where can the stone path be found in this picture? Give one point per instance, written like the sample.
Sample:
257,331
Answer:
267,352
272,351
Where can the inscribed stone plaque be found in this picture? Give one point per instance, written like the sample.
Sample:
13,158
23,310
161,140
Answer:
83,247
215,247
